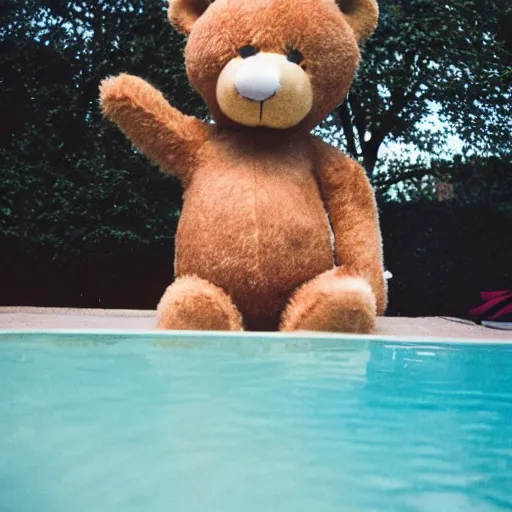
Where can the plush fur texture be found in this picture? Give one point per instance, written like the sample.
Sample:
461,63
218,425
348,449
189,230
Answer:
253,247
332,302
194,303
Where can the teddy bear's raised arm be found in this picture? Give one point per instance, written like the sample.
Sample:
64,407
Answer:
168,137
352,209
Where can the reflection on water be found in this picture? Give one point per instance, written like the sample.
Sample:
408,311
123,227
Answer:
227,425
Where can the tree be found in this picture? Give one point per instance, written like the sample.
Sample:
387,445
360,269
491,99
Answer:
431,60
69,180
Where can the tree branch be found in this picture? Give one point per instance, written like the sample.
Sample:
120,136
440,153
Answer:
413,174
348,129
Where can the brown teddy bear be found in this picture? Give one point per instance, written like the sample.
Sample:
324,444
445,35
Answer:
262,196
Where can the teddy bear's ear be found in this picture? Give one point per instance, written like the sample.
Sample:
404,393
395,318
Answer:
184,13
362,16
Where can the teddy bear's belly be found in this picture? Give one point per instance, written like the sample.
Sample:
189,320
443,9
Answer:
258,237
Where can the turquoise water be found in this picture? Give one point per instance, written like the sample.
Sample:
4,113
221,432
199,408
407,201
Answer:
156,423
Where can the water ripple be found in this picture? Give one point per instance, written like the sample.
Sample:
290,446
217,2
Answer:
308,426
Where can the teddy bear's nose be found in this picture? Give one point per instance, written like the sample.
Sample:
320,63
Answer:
258,78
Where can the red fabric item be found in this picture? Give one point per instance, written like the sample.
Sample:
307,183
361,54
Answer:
493,294
502,312
480,311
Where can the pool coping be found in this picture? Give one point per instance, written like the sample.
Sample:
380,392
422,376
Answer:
215,336
112,322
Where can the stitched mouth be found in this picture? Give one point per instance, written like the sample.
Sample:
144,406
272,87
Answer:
262,102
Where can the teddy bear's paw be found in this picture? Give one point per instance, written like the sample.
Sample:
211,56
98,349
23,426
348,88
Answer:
191,303
123,90
332,303
114,89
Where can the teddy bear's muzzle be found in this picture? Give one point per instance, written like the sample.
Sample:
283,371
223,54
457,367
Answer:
264,90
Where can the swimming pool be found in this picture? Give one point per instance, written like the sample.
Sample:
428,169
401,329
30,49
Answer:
188,422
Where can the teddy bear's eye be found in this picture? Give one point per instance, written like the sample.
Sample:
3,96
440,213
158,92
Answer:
247,51
295,56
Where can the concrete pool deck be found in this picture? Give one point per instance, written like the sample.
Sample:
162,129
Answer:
18,317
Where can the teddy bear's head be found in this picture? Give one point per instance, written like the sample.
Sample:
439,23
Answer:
273,63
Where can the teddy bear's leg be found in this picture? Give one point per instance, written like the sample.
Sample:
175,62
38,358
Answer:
332,302
192,303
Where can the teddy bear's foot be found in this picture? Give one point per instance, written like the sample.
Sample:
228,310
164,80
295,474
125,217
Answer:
192,303
334,303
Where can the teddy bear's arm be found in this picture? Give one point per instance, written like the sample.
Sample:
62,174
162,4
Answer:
352,209
168,137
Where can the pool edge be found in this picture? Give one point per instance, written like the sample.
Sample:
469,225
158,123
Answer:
267,336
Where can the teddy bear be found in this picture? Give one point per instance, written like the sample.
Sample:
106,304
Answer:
279,230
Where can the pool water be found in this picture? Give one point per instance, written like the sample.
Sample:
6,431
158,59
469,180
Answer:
194,423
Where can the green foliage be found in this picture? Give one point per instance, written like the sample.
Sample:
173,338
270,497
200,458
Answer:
75,210
71,182
476,181
432,68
